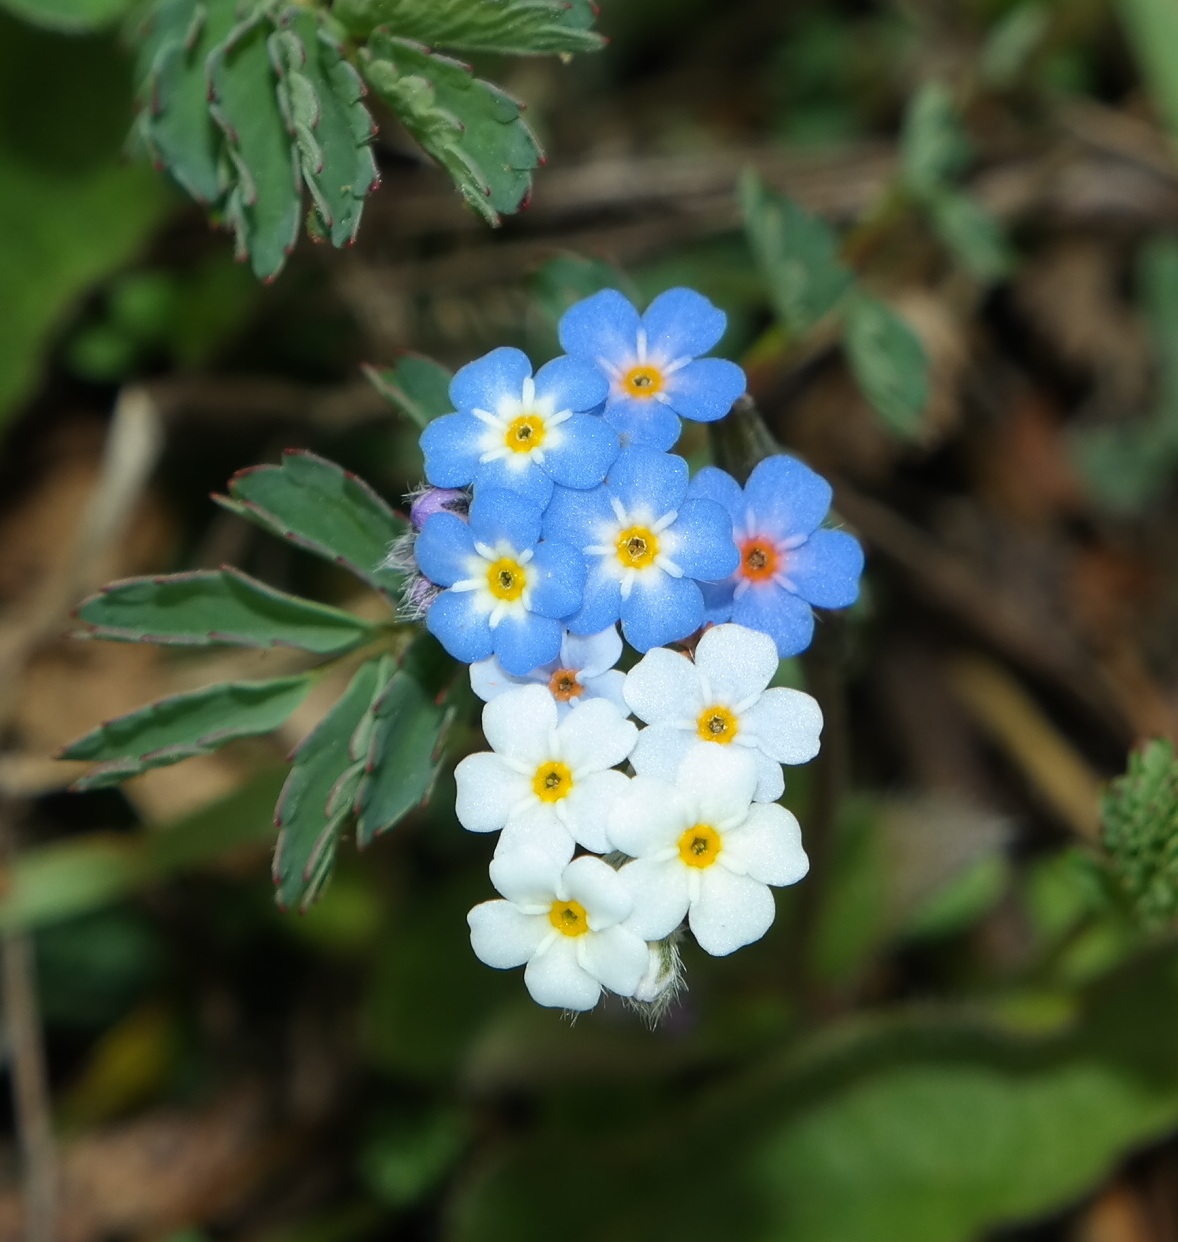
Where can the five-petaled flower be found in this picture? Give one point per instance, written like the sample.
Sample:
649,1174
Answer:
787,563
520,433
720,701
655,373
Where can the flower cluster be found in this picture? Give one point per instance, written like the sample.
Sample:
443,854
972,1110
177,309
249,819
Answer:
554,516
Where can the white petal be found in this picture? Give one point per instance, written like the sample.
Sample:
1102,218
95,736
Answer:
732,910
488,679
537,828
519,723
659,891
787,723
588,807
661,749
598,888
556,980
609,685
664,685
719,780
616,957
528,874
503,936
737,662
769,845
591,654
488,791
596,736
649,817
770,778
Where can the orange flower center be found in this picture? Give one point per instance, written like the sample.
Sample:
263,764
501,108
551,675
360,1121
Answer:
642,381
759,559
699,846
564,685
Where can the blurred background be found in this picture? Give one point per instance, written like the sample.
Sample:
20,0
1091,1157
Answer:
951,1033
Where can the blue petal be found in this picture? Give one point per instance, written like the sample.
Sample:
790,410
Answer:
717,600
523,643
602,326
786,497
444,548
452,447
705,390
645,478
646,421
588,447
682,324
602,604
496,513
517,474
712,483
825,569
661,610
572,383
773,610
557,575
455,622
577,517
481,384
704,547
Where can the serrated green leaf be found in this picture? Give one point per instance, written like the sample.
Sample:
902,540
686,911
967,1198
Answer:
316,800
418,387
217,608
175,124
403,761
796,252
933,145
970,233
184,725
318,505
888,362
264,202
322,97
516,27
469,126
69,16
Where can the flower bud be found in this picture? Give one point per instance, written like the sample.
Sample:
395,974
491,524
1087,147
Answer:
433,500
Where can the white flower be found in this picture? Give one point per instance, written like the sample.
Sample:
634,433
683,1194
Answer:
566,922
584,671
721,700
703,849
545,780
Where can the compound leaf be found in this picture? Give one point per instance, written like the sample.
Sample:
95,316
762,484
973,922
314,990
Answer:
318,505
888,362
417,386
217,608
184,725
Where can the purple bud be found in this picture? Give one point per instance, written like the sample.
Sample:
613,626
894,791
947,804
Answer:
418,594
438,500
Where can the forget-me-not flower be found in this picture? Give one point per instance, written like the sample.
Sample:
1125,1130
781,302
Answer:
505,590
521,433
645,547
656,375
787,563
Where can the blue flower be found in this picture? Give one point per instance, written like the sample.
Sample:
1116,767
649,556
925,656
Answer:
505,590
786,563
656,374
645,548
521,433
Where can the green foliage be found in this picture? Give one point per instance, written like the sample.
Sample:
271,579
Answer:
888,362
970,233
418,387
1139,830
316,505
517,27
1152,30
184,725
69,16
570,277
217,608
469,126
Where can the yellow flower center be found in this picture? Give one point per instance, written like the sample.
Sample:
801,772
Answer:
642,381
564,685
717,724
552,781
637,547
758,559
699,846
569,918
525,433
506,579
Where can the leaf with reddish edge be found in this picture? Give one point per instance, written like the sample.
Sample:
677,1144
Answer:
417,386
319,506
